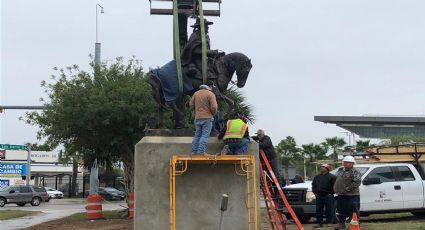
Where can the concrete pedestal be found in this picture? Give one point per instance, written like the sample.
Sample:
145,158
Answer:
198,191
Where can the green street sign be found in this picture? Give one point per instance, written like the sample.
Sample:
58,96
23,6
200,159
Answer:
13,147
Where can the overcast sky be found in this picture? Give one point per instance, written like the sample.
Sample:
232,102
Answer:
315,57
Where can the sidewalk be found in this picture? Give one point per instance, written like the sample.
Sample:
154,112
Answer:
28,221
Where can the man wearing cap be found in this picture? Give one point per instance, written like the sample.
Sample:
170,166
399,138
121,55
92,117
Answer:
322,186
347,188
266,145
204,104
235,135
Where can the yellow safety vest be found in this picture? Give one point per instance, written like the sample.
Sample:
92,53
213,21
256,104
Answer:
235,129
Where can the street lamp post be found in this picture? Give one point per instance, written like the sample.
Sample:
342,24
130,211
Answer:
94,172
97,44
348,134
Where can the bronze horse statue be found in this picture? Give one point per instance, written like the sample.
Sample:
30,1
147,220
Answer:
220,72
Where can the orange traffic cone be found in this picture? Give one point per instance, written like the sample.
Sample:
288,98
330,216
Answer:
354,223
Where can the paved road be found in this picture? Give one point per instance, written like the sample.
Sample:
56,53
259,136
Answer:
55,209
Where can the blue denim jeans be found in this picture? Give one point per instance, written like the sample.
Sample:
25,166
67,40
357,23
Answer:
237,148
327,203
202,132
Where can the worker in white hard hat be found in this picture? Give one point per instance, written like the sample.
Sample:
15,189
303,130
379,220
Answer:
347,188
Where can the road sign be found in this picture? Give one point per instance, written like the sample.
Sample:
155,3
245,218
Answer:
13,170
4,182
13,147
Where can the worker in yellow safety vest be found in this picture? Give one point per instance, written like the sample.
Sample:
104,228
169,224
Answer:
235,135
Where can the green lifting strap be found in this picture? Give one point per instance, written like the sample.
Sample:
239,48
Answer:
177,51
204,42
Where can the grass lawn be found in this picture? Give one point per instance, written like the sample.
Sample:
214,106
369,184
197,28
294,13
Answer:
405,225
114,214
113,220
393,221
11,214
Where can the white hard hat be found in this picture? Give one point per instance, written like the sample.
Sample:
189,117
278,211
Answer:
349,159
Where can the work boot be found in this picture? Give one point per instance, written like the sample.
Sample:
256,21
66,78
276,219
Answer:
341,226
224,150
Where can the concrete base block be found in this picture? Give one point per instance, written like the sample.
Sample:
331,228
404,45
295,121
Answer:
198,191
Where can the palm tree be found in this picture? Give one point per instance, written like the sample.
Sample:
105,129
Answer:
240,104
288,153
362,145
314,152
335,143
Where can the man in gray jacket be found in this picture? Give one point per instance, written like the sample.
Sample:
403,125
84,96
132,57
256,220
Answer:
347,188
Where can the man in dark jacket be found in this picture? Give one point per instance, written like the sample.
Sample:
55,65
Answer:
323,189
266,145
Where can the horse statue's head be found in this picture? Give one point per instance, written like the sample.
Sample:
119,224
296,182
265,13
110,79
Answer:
241,64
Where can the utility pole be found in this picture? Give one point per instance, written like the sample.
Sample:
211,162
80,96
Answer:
348,134
28,165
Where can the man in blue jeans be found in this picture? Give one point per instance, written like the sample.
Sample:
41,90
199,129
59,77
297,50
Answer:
322,186
204,104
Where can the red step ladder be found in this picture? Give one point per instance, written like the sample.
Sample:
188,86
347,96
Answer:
268,180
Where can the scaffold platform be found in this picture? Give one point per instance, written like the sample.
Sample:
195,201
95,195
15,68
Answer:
245,165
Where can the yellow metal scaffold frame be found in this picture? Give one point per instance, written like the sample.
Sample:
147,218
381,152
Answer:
244,166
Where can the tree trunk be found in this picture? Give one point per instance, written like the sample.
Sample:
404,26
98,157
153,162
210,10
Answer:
335,158
335,155
74,177
128,163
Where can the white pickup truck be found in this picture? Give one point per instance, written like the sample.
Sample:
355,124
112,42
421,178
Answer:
393,187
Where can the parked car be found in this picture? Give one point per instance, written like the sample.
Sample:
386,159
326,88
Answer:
53,193
21,195
109,193
42,192
392,187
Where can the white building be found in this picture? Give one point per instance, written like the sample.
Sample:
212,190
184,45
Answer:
45,168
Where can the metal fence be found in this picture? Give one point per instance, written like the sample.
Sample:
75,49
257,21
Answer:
63,183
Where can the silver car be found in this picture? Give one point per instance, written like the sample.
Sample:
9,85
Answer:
20,195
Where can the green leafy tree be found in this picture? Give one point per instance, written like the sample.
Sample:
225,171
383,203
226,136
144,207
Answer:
406,139
336,143
288,152
39,147
99,117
